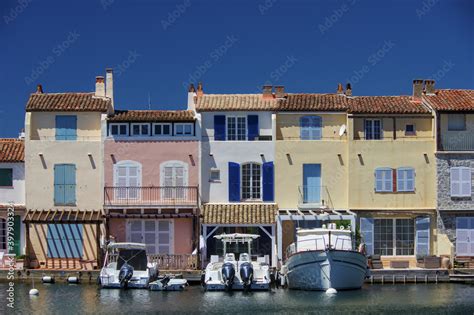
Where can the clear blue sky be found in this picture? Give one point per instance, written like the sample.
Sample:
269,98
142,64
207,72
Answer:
157,47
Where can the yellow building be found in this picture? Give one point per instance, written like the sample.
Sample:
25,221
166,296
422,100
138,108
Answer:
63,161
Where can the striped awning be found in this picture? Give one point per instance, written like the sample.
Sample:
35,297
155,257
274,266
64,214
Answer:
248,213
64,216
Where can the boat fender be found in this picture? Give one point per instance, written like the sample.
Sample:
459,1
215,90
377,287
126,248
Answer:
331,291
73,280
34,292
47,279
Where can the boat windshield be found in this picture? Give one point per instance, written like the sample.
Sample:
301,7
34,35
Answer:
134,257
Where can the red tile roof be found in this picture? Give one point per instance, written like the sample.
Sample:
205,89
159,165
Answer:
451,100
385,105
313,102
12,150
153,115
234,102
76,102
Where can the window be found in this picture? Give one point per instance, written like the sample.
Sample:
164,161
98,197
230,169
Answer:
310,128
215,175
456,122
384,180
6,177
64,184
183,129
394,237
373,129
236,128
405,179
162,129
118,129
127,179
157,235
3,234
140,129
410,130
174,179
461,185
66,127
251,181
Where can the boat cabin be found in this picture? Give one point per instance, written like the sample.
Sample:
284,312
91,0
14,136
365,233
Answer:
321,239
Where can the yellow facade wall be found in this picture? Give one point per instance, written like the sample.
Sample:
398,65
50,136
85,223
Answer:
423,127
288,126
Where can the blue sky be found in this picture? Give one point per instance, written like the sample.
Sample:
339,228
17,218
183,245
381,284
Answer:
157,47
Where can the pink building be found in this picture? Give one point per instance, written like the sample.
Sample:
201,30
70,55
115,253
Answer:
151,178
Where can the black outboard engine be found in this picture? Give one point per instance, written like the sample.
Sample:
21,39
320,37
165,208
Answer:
125,274
228,274
246,274
165,281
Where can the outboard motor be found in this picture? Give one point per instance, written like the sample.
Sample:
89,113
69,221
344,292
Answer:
246,274
165,281
228,274
125,274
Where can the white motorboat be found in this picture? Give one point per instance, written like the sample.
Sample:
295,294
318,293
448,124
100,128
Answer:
324,258
168,283
126,266
228,273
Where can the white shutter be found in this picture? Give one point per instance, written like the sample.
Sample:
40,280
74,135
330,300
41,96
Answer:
455,182
465,181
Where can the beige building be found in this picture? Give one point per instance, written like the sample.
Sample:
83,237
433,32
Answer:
64,176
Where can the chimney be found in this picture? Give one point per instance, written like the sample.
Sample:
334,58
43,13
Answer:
191,96
109,84
429,87
348,89
279,91
200,91
340,90
21,136
39,89
267,92
99,86
417,89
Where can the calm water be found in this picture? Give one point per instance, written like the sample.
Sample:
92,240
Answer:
372,299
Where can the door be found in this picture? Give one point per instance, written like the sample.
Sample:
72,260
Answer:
465,236
312,183
174,180
157,235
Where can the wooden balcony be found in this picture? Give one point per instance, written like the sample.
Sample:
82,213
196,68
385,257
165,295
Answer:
186,196
175,262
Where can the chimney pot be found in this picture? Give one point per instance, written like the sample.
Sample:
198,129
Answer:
99,86
200,91
417,89
430,87
279,91
348,89
191,88
109,85
340,90
39,89
267,92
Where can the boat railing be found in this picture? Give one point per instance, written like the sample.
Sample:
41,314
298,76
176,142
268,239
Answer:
319,244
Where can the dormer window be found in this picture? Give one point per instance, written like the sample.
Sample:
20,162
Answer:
162,129
183,129
142,129
118,129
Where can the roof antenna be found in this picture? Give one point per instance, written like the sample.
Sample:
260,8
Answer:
149,101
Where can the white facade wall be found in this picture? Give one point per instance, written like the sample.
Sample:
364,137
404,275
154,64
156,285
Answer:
15,194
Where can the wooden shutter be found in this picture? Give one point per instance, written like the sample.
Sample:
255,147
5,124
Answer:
219,127
367,234
455,178
268,181
59,189
234,181
466,185
70,184
422,236
252,127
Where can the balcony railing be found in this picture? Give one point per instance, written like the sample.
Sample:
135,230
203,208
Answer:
151,196
459,142
168,262
314,196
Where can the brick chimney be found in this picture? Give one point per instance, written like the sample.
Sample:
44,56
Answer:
99,86
340,90
191,96
39,89
417,89
348,89
200,91
109,84
430,87
267,92
279,91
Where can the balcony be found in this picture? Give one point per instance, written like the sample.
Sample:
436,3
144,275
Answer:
151,196
458,142
314,197
179,262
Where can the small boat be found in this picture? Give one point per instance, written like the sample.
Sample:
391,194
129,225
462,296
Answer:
323,259
126,265
228,273
168,283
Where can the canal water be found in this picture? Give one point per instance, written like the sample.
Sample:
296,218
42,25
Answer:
372,299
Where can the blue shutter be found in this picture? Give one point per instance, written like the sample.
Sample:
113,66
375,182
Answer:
59,171
268,180
422,236
252,128
71,235
70,184
66,127
55,247
219,127
367,233
234,181
60,128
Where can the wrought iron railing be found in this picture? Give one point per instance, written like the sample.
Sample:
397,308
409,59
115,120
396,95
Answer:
151,196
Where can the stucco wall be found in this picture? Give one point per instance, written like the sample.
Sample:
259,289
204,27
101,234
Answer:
423,127
288,125
16,193
457,138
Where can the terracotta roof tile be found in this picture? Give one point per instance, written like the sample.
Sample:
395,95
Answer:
153,115
75,102
12,150
385,105
234,102
451,100
240,213
313,102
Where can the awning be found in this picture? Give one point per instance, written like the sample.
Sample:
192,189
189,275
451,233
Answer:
66,216
243,213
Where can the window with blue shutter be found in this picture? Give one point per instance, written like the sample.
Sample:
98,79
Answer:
219,127
65,184
66,127
268,181
234,181
367,234
252,129
405,179
383,180
422,236
310,128
65,240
